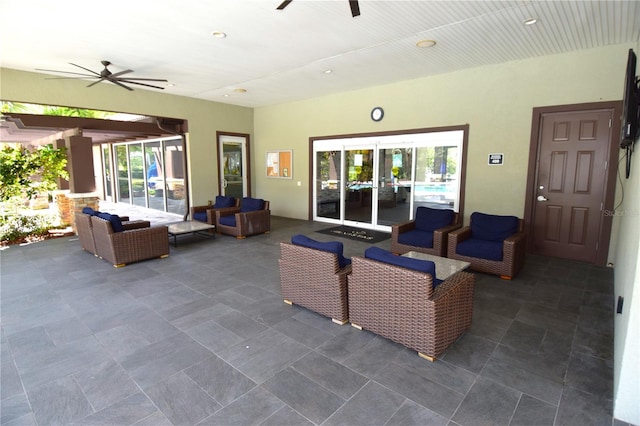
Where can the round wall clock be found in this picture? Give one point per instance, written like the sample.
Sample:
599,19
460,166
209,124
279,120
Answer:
377,113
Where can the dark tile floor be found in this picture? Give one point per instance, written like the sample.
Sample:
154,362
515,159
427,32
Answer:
203,337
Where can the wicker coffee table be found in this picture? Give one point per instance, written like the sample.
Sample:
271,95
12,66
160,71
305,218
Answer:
190,227
445,267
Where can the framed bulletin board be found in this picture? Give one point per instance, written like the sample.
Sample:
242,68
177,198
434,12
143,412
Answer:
280,164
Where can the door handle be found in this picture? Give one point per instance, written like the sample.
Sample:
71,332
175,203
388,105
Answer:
224,183
542,198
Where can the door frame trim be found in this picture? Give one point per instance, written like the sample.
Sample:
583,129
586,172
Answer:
604,234
246,136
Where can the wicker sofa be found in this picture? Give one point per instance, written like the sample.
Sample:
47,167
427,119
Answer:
136,240
84,228
315,280
401,304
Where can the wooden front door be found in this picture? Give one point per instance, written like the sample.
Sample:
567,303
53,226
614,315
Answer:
571,184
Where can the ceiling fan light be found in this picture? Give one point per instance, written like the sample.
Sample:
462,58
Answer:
425,44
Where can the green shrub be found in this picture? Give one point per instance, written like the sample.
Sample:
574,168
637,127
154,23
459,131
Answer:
16,228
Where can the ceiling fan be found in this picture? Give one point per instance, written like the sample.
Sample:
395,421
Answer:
106,75
355,8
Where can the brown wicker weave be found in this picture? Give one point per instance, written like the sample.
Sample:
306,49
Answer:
400,304
247,223
439,238
121,248
211,211
313,279
85,232
513,253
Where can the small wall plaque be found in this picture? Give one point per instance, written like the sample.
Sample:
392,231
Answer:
496,159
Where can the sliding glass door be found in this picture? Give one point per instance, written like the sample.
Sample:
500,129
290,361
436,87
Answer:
375,182
148,174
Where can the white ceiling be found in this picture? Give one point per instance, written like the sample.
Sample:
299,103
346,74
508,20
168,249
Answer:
279,56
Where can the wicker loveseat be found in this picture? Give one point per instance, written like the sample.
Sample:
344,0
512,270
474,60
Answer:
427,233
127,246
401,304
314,278
84,228
132,241
491,243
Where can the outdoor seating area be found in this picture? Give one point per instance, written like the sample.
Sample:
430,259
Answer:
399,298
200,338
491,243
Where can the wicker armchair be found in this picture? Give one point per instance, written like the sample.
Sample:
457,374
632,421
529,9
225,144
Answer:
127,246
207,213
313,279
504,257
242,222
412,236
401,305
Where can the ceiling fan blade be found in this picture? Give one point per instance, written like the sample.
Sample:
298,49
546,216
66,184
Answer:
355,8
119,73
143,79
70,78
284,4
67,72
141,84
86,69
96,82
117,82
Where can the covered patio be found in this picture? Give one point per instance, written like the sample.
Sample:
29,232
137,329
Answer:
203,337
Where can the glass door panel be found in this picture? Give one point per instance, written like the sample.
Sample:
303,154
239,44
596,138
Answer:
328,184
136,169
106,161
233,152
155,175
358,200
394,184
122,173
437,177
174,176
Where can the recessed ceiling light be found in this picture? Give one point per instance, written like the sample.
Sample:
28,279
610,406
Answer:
226,95
170,85
240,90
327,71
219,34
530,21
424,44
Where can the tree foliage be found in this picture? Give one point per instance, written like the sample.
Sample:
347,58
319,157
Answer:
20,107
24,172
